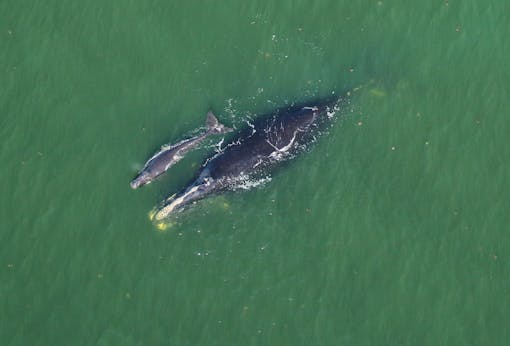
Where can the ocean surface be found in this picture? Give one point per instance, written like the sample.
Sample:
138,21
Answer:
392,229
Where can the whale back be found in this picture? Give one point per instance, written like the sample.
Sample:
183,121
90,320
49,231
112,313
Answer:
269,140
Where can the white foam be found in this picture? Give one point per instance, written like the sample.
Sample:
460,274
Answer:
244,182
250,124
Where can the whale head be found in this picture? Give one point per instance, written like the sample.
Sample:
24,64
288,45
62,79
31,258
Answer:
143,178
200,189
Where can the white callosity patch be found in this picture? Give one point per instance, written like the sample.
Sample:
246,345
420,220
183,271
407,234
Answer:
161,214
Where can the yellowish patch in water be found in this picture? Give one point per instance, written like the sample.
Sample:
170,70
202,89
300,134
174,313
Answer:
151,214
225,205
163,226
378,92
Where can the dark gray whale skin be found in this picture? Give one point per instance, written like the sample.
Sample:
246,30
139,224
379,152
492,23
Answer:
256,150
169,155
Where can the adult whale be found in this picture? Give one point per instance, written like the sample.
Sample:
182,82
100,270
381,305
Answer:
257,149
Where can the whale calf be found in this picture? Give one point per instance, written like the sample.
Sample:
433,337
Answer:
169,155
255,151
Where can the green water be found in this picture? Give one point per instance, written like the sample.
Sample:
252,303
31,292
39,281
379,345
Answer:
392,230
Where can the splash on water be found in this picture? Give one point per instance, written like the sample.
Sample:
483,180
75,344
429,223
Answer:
245,182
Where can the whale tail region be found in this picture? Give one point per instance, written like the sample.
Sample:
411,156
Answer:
214,126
